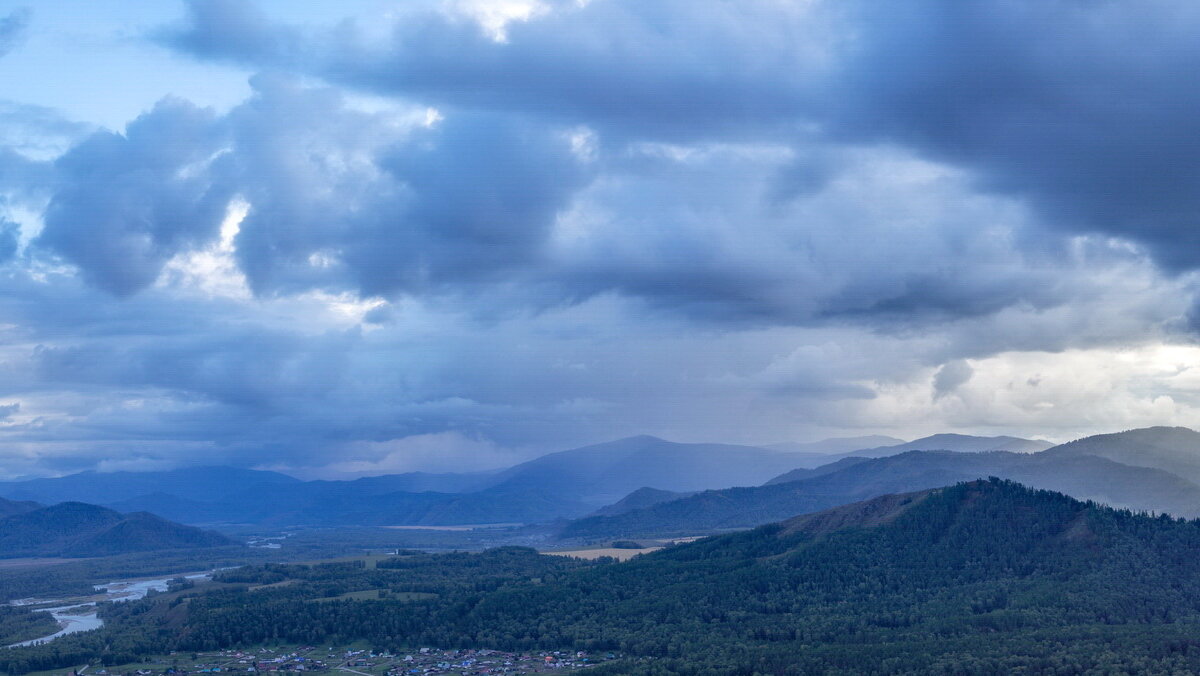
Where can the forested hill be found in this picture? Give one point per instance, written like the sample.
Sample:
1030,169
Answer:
986,577
75,529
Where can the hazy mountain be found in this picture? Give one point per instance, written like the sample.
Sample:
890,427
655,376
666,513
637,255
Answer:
836,444
197,483
560,485
960,443
422,482
209,495
75,529
809,473
566,484
817,453
436,509
332,503
1085,477
604,473
639,499
1174,449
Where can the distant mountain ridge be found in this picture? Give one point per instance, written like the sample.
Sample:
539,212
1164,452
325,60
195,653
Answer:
110,487
76,529
961,443
566,484
1085,477
836,444
639,499
1173,449
577,482
964,443
604,473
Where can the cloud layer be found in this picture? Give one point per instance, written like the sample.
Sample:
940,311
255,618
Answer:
469,237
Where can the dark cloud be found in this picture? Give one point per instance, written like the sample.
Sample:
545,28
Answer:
338,198
1086,108
12,29
950,377
663,70
724,221
8,410
126,203
1083,108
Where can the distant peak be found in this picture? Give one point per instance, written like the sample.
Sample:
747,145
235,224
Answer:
634,441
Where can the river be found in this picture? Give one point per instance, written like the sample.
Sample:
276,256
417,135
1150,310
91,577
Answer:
79,616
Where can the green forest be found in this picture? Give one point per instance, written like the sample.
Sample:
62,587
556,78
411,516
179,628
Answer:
980,578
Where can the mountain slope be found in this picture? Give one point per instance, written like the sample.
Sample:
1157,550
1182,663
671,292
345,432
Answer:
604,473
141,532
983,577
1086,477
10,507
639,499
75,529
1173,449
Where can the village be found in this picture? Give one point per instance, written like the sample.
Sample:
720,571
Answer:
363,662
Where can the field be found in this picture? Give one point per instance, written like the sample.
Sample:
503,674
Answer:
590,554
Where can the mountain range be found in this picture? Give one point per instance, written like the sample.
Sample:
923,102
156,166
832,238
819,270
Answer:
649,485
853,479
566,484
960,443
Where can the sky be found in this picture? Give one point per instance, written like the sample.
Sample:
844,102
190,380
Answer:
364,237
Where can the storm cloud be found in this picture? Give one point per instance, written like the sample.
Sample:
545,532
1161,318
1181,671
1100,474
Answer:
1084,109
428,239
